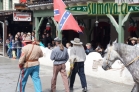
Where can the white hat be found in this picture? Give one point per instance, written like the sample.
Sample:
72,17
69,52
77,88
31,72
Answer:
76,41
133,38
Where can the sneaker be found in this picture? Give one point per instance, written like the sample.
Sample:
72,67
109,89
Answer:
71,88
84,89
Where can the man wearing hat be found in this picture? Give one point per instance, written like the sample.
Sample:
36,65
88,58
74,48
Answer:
77,54
29,65
60,56
133,41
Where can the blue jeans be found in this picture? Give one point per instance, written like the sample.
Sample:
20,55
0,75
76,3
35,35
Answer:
9,52
78,68
18,53
34,74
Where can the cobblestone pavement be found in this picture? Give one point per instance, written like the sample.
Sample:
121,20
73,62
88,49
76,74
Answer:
9,75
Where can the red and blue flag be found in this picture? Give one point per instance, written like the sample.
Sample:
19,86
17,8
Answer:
64,18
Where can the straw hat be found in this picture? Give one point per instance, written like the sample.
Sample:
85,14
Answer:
76,41
57,39
138,39
27,39
133,38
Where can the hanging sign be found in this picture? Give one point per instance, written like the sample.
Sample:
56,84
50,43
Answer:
105,8
21,16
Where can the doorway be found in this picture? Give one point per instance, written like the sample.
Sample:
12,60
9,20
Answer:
101,34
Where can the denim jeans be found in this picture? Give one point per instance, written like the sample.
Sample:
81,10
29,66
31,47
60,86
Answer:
78,68
18,53
9,52
34,73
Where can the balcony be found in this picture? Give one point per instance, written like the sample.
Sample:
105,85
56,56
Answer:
50,1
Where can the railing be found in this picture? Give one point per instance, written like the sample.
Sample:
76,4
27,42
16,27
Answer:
47,1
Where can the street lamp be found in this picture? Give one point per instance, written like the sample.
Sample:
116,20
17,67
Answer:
96,23
3,35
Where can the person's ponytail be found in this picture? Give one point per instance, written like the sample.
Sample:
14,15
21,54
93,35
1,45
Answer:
61,47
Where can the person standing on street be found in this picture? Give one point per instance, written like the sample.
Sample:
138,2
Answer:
77,54
60,56
29,65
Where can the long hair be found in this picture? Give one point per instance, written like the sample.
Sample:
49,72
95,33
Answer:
61,46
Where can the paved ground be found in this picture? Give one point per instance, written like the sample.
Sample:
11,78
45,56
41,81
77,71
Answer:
9,74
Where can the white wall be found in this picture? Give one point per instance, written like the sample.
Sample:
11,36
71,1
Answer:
6,4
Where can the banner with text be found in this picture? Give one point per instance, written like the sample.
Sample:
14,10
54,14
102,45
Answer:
21,16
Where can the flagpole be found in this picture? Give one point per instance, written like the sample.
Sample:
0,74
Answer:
58,31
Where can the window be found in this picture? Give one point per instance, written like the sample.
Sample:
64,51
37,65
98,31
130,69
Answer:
1,4
10,4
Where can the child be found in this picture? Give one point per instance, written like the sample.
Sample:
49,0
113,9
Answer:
13,49
9,51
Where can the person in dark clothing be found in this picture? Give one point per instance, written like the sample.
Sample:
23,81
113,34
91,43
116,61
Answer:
53,44
48,40
44,39
64,40
10,37
18,47
89,48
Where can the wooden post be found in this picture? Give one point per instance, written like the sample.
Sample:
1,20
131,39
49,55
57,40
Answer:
119,26
121,29
58,33
37,26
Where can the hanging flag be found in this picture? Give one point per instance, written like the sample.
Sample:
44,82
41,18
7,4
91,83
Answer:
64,18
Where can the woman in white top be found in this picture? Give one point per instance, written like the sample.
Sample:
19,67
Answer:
68,45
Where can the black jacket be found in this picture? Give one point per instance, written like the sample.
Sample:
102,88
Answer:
89,50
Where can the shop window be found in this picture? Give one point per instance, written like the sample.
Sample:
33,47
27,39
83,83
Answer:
10,4
1,4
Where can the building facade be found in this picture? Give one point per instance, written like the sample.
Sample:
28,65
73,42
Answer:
44,10
7,4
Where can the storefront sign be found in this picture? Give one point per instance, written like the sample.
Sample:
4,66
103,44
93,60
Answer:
105,8
21,16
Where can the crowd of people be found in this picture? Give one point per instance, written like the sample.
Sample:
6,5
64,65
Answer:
15,43
75,52
29,64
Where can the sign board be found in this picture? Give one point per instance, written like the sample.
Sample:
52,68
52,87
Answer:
105,8
78,8
21,16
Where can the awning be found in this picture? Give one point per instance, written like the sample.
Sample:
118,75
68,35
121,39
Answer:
6,12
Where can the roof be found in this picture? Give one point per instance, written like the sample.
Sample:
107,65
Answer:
44,5
6,12
49,5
